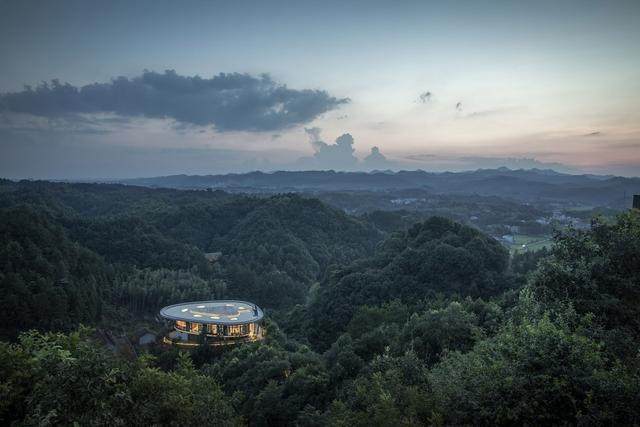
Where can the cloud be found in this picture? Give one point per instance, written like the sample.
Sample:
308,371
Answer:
424,97
483,113
338,156
419,157
491,112
230,102
592,134
314,138
376,160
96,124
313,133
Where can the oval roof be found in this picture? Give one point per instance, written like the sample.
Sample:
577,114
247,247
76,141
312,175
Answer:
221,312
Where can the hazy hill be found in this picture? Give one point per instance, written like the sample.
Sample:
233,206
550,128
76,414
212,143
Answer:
523,185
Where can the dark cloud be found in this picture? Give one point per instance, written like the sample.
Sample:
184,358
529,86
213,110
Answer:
230,102
79,124
424,97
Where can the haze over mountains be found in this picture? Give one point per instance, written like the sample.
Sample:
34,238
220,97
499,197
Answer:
523,185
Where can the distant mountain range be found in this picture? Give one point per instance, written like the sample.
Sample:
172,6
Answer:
522,184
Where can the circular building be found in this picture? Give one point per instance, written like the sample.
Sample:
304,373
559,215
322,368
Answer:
217,322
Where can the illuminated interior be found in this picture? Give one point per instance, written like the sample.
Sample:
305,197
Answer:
212,322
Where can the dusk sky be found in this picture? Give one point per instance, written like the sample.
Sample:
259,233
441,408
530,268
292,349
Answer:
155,88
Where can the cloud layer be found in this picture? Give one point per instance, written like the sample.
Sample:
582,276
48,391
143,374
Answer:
230,102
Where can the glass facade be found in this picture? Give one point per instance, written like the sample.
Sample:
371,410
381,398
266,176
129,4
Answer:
220,331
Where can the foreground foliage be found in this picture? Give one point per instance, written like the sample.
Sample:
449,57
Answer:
56,379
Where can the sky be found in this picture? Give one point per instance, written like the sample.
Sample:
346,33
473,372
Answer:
124,89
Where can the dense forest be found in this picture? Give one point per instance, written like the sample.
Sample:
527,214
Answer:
370,320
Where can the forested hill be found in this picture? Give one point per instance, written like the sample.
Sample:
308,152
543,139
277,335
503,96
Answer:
436,257
429,324
77,244
524,185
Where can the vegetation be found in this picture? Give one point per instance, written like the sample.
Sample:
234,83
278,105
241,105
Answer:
369,321
438,256
48,281
56,379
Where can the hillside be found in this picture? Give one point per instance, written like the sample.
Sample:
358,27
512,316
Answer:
416,325
272,249
437,256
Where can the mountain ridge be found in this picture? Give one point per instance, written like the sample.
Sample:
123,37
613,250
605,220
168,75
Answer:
520,184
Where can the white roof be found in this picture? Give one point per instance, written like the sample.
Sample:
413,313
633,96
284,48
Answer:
221,312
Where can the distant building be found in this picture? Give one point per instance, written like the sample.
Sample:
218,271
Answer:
214,323
559,216
406,201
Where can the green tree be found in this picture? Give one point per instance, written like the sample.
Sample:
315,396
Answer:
536,372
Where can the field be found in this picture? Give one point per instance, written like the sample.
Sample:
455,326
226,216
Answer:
524,243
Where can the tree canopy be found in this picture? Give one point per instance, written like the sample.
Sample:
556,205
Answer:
368,321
